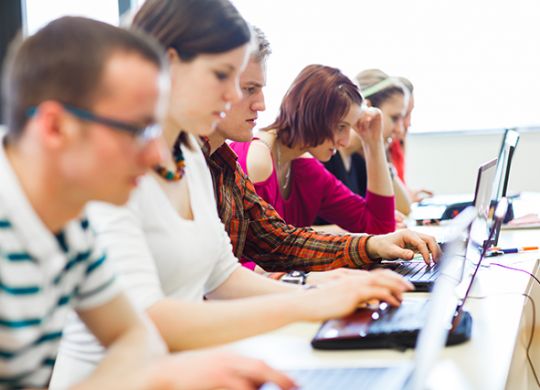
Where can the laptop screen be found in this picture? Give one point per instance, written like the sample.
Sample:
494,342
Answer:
484,187
504,161
432,337
477,247
508,146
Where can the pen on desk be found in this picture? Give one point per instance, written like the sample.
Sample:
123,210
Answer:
515,250
493,253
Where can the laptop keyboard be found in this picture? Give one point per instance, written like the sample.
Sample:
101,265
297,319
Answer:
406,318
418,270
336,378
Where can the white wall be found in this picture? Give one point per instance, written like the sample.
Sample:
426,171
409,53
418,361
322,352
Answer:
448,162
39,12
475,63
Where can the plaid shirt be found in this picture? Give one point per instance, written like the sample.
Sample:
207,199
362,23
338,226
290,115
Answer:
258,233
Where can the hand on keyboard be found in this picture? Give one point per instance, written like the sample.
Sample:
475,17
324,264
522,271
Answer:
403,244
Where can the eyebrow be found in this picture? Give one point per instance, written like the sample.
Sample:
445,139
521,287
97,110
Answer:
147,120
254,84
229,66
345,122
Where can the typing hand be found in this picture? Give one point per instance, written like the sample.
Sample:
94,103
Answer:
403,244
210,369
341,297
316,278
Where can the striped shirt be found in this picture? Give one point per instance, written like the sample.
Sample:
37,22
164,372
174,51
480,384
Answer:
258,233
42,276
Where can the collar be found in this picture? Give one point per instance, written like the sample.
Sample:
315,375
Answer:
37,239
223,154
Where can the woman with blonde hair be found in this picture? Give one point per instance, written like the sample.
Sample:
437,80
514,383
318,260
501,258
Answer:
391,97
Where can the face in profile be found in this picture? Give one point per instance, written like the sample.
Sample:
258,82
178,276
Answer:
393,110
239,122
203,89
104,163
341,139
408,114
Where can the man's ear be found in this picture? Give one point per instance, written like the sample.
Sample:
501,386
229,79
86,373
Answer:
172,56
51,124
368,102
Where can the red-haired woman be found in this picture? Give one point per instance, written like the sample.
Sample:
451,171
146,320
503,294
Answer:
316,117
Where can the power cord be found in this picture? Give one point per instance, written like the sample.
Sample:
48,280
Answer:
533,306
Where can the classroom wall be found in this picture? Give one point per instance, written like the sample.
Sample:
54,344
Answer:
447,162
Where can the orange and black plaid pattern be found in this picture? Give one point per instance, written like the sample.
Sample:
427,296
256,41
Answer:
259,234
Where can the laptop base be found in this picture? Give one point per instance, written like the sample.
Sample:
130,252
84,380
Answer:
329,336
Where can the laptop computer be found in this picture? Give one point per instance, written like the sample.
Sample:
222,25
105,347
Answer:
408,375
442,310
390,327
423,275
443,207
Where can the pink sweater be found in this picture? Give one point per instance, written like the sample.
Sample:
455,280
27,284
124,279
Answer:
316,192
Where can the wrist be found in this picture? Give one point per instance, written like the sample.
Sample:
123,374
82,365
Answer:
374,149
393,171
295,277
370,251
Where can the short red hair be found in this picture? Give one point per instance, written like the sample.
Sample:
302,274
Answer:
317,100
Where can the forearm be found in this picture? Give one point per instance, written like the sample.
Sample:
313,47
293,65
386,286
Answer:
130,354
403,200
330,229
211,323
245,283
378,176
302,249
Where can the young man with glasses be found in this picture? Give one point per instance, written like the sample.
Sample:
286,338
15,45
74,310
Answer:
257,231
80,99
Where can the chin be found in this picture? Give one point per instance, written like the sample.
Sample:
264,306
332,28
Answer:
324,158
245,136
118,199
236,135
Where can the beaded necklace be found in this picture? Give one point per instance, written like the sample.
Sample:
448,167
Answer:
179,161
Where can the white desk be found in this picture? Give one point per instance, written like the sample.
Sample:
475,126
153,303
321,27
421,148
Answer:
493,359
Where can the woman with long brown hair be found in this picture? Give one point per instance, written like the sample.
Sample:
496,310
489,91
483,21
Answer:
317,114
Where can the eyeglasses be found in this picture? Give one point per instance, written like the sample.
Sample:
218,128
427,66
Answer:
144,133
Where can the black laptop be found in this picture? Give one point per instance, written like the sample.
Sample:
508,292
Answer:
443,309
390,327
407,375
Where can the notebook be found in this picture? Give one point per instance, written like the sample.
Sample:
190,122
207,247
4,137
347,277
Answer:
409,375
373,329
423,275
443,308
443,207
